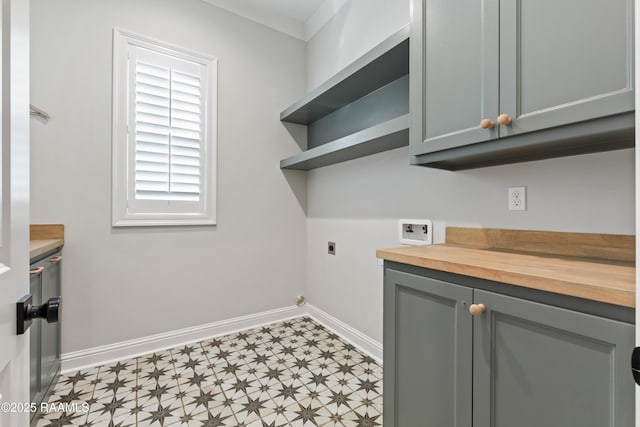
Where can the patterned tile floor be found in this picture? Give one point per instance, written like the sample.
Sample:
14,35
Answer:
292,373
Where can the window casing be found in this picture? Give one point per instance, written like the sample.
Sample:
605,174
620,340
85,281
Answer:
164,137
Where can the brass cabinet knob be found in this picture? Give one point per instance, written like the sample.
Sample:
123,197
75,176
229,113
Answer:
36,271
487,124
504,120
477,309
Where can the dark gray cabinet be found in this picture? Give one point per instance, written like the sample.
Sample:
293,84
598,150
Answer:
520,362
35,338
558,75
427,352
45,337
51,331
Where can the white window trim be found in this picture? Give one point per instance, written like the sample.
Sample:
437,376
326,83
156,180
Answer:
122,216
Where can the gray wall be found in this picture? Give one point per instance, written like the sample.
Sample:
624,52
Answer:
121,284
356,28
357,204
129,283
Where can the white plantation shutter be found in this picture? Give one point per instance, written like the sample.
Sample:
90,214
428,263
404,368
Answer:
167,127
168,137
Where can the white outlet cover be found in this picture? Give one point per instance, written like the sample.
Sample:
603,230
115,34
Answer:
517,198
421,238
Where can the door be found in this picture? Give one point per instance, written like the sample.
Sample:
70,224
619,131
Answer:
564,61
538,365
453,72
637,204
427,352
14,209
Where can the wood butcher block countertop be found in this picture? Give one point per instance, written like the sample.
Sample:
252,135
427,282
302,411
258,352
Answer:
595,267
45,238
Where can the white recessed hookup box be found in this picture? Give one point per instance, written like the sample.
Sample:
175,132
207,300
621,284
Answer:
416,232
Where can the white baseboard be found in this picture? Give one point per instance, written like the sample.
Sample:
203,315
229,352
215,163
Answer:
363,342
133,348
110,353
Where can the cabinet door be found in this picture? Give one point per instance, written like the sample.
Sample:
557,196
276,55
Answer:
50,331
427,352
537,365
453,72
35,340
564,61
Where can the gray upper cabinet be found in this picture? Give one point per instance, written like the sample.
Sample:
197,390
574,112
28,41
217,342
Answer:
498,82
458,73
564,61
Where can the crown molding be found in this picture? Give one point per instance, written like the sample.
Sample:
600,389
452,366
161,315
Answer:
300,30
265,17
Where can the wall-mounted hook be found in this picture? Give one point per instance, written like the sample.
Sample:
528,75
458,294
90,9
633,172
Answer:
38,112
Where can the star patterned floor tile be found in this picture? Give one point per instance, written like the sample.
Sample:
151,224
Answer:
290,373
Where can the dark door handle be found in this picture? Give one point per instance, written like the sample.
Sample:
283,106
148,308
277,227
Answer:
26,312
635,364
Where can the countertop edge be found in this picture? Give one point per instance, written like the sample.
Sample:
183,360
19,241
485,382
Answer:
616,295
39,247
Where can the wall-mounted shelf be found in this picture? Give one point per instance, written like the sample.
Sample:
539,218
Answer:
362,110
376,139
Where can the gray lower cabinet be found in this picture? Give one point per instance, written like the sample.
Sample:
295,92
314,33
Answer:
520,363
427,352
45,337
35,343
51,331
543,65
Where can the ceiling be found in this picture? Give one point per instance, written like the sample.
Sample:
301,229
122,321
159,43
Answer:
297,18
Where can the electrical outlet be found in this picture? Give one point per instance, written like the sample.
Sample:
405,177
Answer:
517,198
415,231
331,248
